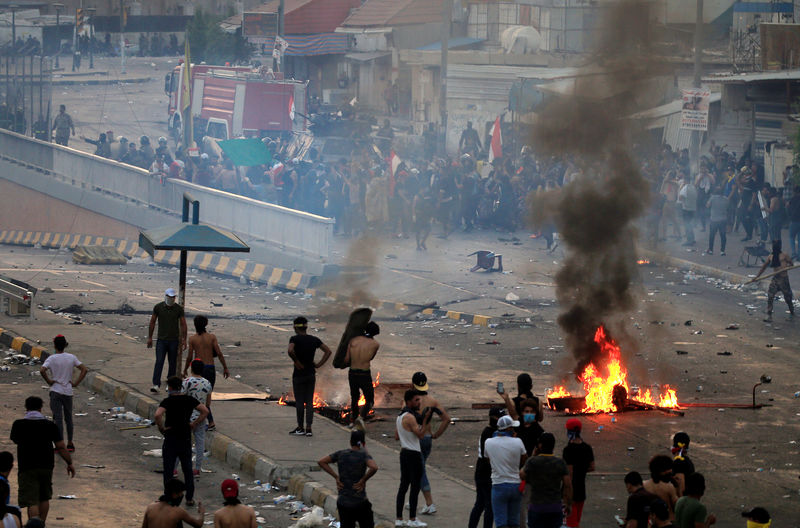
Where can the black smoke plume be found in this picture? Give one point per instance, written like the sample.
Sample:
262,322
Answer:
595,214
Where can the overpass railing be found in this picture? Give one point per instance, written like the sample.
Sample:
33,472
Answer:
298,232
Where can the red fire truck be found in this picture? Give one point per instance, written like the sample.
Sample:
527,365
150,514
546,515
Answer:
234,101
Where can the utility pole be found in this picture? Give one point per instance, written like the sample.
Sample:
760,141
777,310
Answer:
14,31
281,8
122,33
694,151
91,11
58,7
447,14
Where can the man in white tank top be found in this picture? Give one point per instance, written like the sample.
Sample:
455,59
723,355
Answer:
410,429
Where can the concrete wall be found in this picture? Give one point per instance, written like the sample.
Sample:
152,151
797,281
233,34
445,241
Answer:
24,208
280,237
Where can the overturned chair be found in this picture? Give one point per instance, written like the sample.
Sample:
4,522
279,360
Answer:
486,261
757,253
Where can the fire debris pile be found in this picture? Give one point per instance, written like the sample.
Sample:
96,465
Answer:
338,412
606,386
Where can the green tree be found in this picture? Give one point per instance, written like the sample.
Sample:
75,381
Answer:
210,44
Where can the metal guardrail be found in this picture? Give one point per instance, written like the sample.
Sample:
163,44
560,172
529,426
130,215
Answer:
297,232
17,293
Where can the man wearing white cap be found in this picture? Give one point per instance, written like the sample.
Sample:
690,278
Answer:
171,337
506,454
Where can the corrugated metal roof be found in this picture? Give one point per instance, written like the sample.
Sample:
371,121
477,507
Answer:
489,83
452,43
779,75
673,107
733,139
367,55
395,13
493,82
272,6
302,17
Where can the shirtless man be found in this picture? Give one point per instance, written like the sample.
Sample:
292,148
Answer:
205,347
429,405
233,514
660,482
166,512
360,352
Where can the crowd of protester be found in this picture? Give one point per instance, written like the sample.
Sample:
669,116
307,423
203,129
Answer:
723,196
369,192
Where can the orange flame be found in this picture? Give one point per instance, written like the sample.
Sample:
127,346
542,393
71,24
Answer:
319,402
643,261
599,388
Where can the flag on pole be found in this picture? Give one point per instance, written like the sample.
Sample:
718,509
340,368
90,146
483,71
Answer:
291,107
496,145
186,92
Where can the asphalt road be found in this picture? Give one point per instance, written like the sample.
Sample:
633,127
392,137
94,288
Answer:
748,456
114,480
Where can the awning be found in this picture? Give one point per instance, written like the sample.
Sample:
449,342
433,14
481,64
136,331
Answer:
453,43
190,237
309,45
367,55
246,152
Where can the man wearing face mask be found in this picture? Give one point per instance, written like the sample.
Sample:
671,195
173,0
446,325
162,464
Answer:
527,411
171,338
166,512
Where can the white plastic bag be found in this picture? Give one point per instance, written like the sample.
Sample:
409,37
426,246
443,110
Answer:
311,519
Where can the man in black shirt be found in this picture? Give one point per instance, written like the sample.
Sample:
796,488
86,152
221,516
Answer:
580,460
177,427
356,467
483,476
639,501
35,437
302,348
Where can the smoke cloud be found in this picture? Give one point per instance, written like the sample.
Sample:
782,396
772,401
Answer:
595,214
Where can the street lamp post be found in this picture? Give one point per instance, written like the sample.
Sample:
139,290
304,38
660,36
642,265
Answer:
91,11
58,7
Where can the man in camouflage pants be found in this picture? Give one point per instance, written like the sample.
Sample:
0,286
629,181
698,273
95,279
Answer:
780,282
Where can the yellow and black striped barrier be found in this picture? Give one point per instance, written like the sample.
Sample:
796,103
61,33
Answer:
221,265
211,262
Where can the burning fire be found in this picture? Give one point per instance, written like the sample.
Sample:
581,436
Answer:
643,262
599,388
319,402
